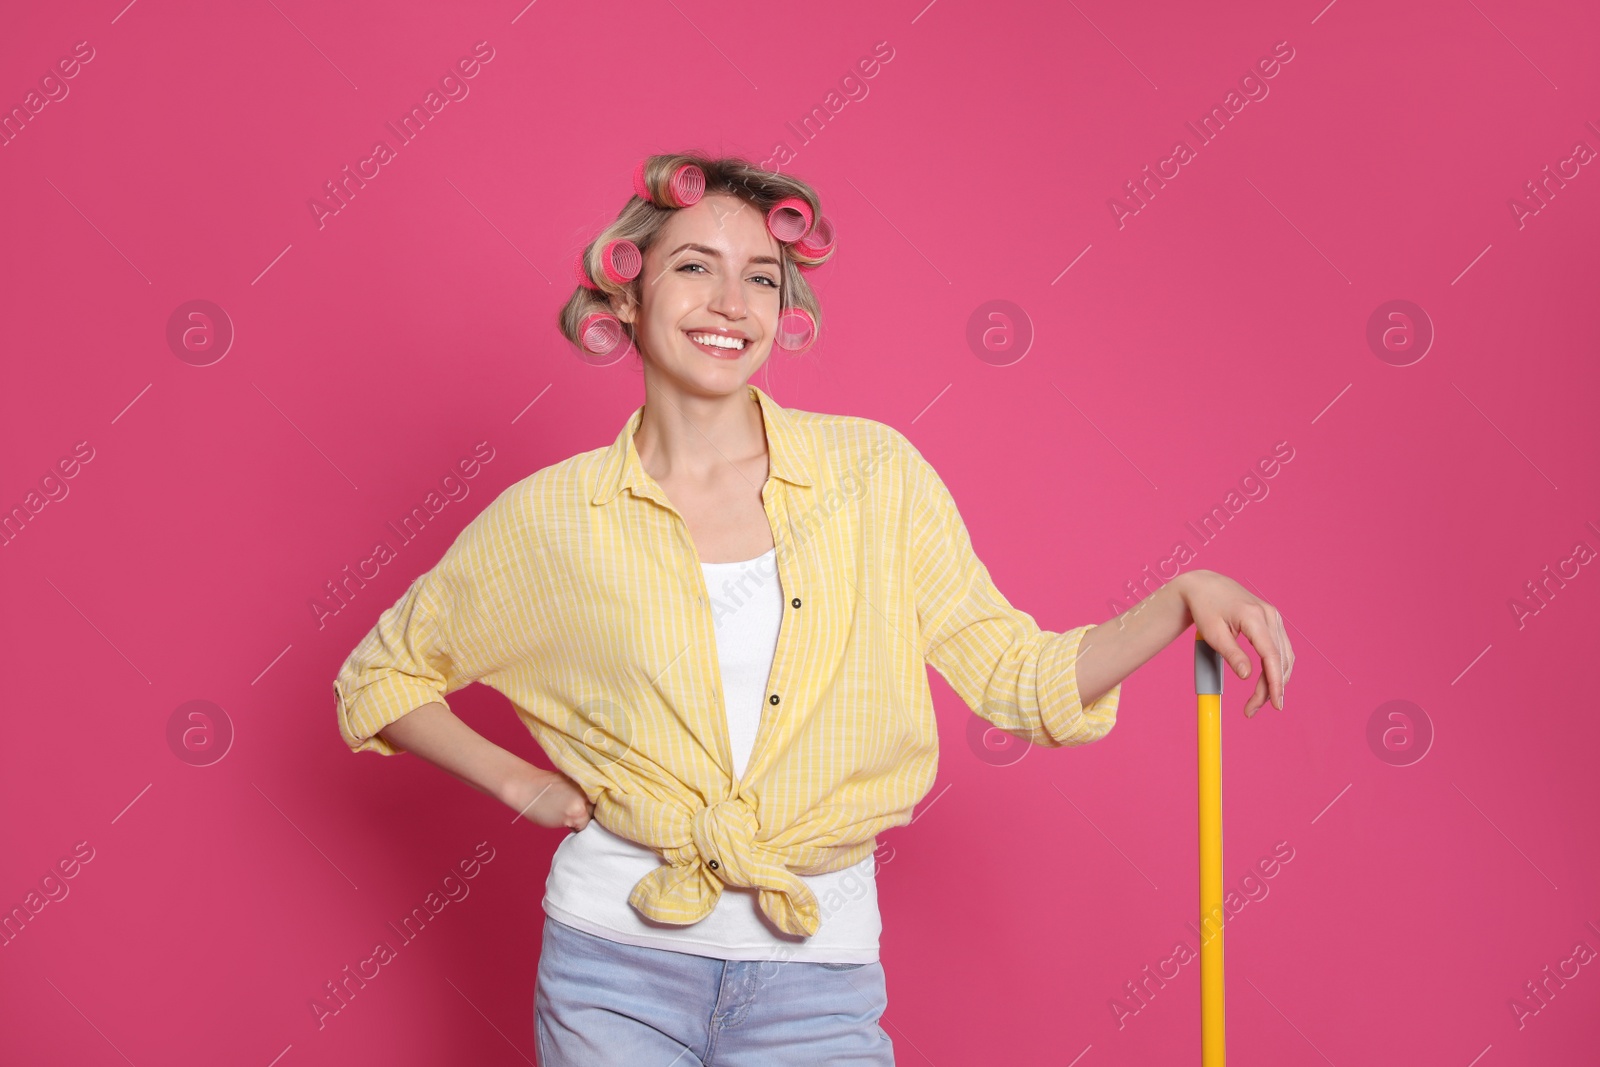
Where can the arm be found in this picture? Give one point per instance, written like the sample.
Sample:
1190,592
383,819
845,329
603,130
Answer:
391,689
1009,671
548,798
1116,648
1220,607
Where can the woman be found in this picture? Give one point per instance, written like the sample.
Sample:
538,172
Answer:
717,628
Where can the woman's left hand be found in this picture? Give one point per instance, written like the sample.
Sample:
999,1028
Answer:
1222,608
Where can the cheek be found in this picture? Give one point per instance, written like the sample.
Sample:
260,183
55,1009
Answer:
667,310
662,307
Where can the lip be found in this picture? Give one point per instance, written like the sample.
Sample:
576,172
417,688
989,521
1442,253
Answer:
728,354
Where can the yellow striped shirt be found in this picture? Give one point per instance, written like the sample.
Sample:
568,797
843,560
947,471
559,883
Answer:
579,594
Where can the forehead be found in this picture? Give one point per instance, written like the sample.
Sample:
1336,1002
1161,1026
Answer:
721,221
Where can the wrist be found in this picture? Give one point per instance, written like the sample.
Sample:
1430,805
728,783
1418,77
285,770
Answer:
1183,589
1184,583
522,786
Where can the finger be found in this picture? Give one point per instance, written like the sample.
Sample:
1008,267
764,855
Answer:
1288,652
1257,698
1219,637
1256,627
1288,671
1285,649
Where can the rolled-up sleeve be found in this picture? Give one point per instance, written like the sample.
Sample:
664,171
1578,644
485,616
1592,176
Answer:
403,663
1013,674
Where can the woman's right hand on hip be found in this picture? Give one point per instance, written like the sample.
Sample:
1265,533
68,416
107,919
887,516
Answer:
550,799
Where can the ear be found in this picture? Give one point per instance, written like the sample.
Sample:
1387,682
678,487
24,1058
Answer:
624,306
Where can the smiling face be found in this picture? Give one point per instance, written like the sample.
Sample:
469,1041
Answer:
709,295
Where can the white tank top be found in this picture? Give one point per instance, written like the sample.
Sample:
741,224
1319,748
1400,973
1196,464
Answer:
594,870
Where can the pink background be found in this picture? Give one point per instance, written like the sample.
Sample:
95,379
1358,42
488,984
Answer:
1228,315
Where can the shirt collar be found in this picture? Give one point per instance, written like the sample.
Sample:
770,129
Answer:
787,455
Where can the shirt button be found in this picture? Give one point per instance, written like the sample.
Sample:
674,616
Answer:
795,602
773,699
712,865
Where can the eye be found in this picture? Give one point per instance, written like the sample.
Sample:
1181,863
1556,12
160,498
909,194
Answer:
771,283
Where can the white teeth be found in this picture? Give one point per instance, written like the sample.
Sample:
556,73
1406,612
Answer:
716,341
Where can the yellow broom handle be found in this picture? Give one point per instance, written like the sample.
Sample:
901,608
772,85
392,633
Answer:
1208,691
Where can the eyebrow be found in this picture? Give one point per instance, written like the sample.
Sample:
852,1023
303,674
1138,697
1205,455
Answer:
713,252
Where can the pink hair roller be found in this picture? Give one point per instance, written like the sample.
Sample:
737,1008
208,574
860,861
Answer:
796,329
581,272
818,243
687,186
788,220
601,334
620,261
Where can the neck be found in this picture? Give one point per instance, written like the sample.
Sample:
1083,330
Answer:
696,437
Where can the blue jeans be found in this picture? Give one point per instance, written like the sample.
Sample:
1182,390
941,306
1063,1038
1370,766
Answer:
601,1003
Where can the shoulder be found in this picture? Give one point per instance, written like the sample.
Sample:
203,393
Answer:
550,495
572,480
865,458
842,443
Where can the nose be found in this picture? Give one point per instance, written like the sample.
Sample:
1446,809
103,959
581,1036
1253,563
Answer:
728,298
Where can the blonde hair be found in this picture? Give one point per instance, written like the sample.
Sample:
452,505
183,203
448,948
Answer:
641,222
